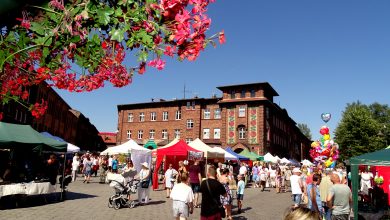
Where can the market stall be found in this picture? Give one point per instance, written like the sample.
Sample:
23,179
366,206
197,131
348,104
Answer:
209,152
172,153
251,155
228,156
71,148
239,157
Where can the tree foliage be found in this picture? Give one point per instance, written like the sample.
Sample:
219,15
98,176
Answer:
97,35
360,127
305,130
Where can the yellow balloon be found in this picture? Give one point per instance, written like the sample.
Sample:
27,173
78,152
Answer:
326,137
315,144
328,162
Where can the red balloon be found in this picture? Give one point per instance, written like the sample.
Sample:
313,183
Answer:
324,130
325,152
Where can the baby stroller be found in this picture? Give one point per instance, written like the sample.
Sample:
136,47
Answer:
122,190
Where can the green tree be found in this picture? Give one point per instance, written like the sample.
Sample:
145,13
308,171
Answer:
381,113
305,130
357,132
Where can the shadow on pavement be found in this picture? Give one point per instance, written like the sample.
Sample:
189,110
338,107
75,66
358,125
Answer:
156,202
23,201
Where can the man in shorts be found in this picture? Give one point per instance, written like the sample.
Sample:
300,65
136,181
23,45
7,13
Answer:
195,179
240,192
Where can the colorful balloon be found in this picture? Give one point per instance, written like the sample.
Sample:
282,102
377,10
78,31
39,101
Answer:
324,130
326,137
315,144
326,117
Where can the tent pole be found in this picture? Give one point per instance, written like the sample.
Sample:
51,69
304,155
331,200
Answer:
63,178
355,185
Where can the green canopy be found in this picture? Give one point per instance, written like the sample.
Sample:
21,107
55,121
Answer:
250,155
377,158
14,136
150,144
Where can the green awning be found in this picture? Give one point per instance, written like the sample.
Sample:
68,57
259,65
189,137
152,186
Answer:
15,136
150,145
251,155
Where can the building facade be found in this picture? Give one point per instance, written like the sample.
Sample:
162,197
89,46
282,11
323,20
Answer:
59,120
245,117
109,138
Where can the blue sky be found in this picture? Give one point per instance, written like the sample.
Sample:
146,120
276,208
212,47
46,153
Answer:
318,55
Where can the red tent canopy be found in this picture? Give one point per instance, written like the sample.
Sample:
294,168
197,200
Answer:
176,150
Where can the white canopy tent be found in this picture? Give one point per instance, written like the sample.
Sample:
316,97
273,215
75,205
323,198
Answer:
277,158
71,148
269,158
208,151
284,160
228,156
306,163
138,153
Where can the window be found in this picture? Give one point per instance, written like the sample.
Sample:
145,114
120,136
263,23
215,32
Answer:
232,94
140,134
206,133
153,116
243,93
266,112
241,111
177,133
241,132
191,105
217,113
165,116
178,115
164,134
253,93
141,116
151,134
130,117
206,113
188,140
190,123
188,105
217,133
128,134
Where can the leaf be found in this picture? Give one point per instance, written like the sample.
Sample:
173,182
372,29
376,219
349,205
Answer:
37,28
104,15
96,39
45,52
117,34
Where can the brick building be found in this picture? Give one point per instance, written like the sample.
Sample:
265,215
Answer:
244,117
59,120
109,138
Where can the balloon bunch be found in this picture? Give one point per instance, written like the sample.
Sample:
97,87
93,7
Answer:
325,150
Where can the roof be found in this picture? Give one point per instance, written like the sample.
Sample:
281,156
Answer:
265,85
378,158
164,102
107,133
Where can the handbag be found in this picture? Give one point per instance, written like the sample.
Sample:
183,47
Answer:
145,184
221,209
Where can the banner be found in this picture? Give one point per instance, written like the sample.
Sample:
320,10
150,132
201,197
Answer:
192,155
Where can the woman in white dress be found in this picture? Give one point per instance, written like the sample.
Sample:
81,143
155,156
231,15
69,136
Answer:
144,175
169,178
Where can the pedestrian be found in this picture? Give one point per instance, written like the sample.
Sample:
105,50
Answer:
240,193
287,175
95,165
255,175
226,200
114,164
339,199
325,185
243,171
313,194
170,179
302,213
296,187
195,179
263,178
52,169
182,197
143,191
219,170
278,179
212,189
87,169
75,167
182,169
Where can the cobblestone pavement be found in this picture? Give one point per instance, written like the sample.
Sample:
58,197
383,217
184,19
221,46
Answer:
89,201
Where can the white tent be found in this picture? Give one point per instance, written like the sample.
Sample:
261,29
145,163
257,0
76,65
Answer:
306,163
284,160
208,151
138,153
269,158
71,148
228,156
276,159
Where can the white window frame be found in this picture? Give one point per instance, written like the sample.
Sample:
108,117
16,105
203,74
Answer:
152,132
190,123
165,116
188,106
128,133
153,116
241,133
141,117
217,133
241,111
177,133
206,133
164,134
178,115
130,117
140,134
217,113
188,140
206,113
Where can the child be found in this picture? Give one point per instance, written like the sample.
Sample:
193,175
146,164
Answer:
240,192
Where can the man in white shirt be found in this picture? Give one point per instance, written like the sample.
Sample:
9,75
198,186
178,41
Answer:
296,186
243,171
182,197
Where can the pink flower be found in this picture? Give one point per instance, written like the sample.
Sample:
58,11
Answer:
169,51
158,63
221,37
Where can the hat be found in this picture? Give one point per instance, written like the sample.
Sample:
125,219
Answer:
145,164
296,170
